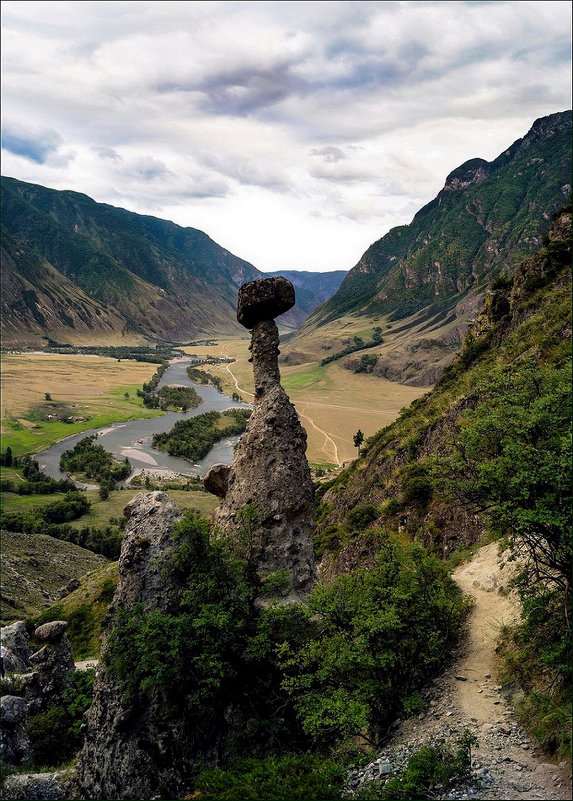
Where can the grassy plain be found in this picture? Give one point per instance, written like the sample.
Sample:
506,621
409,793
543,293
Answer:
89,387
333,403
103,511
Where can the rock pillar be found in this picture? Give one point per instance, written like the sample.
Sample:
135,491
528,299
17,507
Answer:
270,470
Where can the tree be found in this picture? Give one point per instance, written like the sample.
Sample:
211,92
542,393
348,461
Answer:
358,440
7,460
47,396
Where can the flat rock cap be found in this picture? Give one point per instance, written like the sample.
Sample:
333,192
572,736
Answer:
264,300
52,631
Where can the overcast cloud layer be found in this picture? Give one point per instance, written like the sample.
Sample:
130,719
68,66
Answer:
294,133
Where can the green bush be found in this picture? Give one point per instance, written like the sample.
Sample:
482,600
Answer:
370,638
293,776
362,515
55,734
293,674
50,737
432,766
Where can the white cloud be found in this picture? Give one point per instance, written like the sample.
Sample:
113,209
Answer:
295,134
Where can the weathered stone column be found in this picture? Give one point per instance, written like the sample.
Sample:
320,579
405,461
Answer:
270,469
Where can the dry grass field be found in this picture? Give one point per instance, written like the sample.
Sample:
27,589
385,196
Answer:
333,403
89,387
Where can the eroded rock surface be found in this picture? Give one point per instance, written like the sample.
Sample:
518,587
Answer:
15,741
270,470
15,638
52,665
138,748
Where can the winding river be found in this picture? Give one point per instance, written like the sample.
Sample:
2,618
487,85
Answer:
133,438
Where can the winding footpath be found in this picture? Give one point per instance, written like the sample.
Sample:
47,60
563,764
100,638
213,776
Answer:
506,765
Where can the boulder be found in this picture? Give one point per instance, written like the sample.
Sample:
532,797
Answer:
216,480
53,631
15,741
15,639
264,300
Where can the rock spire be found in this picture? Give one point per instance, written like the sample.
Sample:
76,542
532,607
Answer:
270,471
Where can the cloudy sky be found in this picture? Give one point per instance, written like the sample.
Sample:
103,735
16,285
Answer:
294,133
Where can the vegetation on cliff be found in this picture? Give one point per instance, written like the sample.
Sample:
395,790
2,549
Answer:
489,449
491,218
288,678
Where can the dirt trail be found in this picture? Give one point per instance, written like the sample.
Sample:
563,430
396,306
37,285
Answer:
506,765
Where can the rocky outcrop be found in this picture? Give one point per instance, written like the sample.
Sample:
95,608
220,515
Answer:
15,639
138,750
35,787
15,741
51,664
270,471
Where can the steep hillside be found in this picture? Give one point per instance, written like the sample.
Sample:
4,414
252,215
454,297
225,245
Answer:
37,299
163,280
522,337
422,282
35,568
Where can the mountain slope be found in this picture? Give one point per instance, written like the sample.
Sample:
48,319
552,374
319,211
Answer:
165,281
427,277
72,267
524,325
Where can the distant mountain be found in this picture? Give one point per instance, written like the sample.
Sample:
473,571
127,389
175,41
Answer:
73,268
311,289
143,276
523,324
428,276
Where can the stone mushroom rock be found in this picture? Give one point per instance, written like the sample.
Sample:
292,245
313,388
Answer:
270,470
264,299
52,631
52,664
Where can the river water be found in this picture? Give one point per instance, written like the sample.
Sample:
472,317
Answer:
133,438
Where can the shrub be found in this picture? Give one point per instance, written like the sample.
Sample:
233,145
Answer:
293,776
372,637
362,515
55,733
431,766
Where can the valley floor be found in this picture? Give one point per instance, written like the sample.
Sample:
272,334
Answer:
507,765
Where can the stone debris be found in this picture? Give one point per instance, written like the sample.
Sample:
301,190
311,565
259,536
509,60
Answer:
34,787
504,766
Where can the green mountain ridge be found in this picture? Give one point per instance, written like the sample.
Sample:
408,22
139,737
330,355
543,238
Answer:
163,280
526,318
431,274
72,267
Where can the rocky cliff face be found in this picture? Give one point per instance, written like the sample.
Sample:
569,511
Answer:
131,750
270,470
